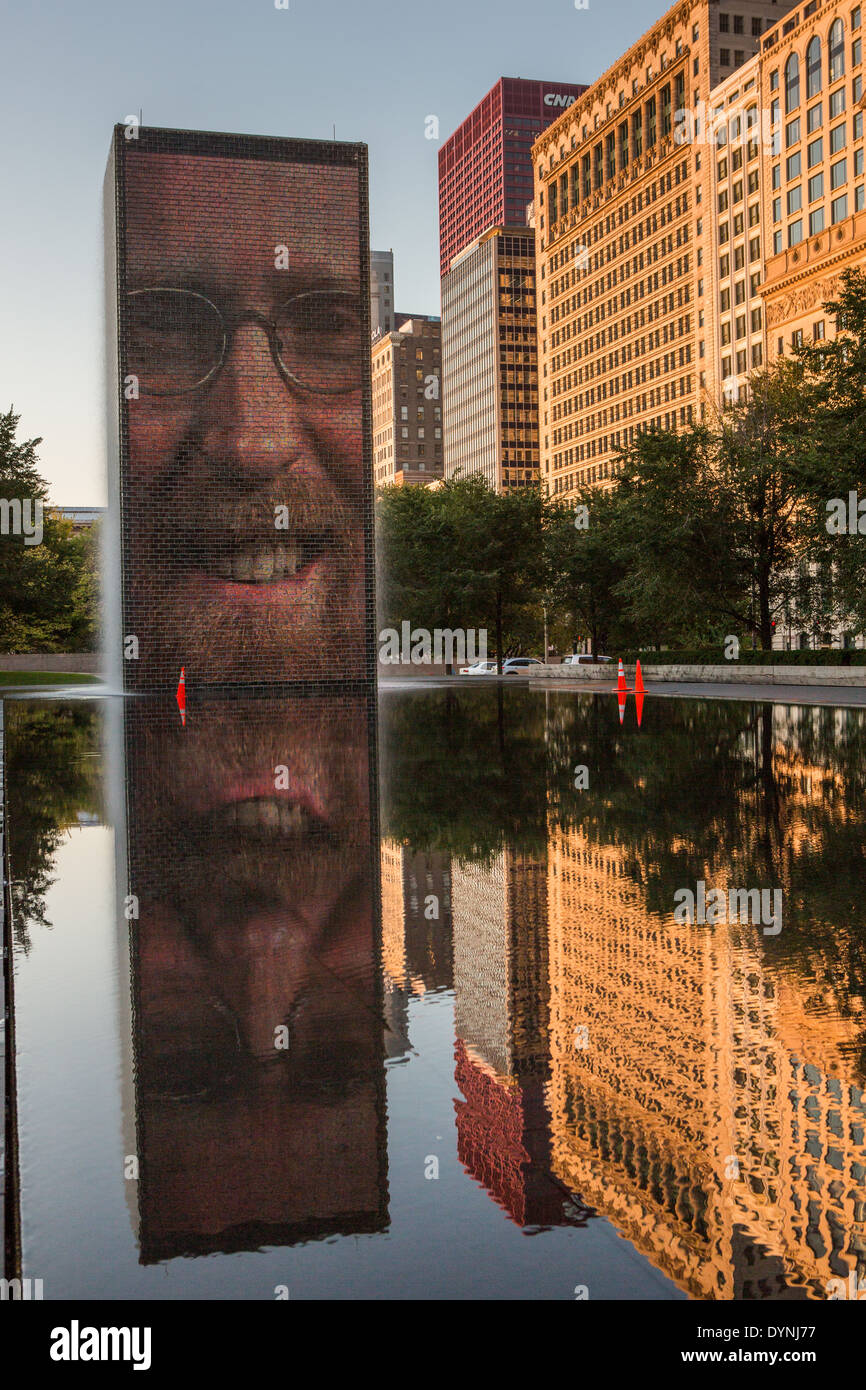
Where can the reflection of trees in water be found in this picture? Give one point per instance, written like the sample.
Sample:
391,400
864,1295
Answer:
464,772
52,772
743,794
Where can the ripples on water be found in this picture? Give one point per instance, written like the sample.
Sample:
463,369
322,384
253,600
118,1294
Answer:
408,1013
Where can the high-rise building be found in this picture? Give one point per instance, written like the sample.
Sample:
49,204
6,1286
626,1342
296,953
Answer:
815,192
489,359
485,167
381,292
407,403
625,215
739,231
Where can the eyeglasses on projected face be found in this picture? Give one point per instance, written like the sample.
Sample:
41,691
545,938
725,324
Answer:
178,340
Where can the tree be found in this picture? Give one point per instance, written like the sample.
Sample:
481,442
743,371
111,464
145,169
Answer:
585,565
834,463
47,589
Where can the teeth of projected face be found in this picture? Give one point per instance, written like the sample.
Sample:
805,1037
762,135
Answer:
260,566
270,817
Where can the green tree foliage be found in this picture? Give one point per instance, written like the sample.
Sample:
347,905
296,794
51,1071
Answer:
462,556
584,545
833,462
47,591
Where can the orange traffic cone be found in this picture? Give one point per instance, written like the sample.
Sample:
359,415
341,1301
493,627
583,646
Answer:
638,680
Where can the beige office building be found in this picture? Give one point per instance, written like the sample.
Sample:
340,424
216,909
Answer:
626,216
407,404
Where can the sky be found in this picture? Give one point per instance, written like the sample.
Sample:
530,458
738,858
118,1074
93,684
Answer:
375,69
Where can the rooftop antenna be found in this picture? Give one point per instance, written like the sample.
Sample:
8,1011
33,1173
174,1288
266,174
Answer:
335,132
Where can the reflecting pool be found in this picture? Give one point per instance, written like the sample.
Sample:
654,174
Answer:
317,998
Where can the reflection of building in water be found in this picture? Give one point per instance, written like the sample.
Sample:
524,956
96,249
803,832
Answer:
687,1101
416,932
501,1020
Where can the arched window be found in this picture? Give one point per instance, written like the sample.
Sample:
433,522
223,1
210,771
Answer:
813,68
792,83
837,50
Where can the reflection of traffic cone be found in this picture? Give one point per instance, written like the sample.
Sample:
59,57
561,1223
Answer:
181,695
638,705
621,690
638,680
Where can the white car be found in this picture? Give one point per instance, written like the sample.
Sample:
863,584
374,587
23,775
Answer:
583,659
481,668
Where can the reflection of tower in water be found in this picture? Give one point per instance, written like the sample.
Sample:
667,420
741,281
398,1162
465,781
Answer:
687,1101
258,1041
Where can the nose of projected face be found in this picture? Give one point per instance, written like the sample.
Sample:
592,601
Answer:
252,412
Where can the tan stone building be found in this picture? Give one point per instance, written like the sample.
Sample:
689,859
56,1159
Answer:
812,82
407,403
625,211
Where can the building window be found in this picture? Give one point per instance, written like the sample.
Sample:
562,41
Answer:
777,176
815,152
837,138
740,292
818,331
777,209
814,118
757,355
837,103
738,24
795,199
755,249
792,133
838,174
777,243
857,126
723,24
724,57
741,326
792,84
724,231
756,28
774,80
792,166
837,50
839,208
816,187
859,196
725,301
795,232
813,68
756,320
816,221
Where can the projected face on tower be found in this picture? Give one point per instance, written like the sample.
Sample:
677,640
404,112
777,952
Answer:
242,337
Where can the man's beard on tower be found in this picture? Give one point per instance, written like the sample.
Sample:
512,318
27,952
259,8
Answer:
232,569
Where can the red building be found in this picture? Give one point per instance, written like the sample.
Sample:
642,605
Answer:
485,167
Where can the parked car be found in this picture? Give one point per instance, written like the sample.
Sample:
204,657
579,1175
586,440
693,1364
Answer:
516,664
583,659
480,668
